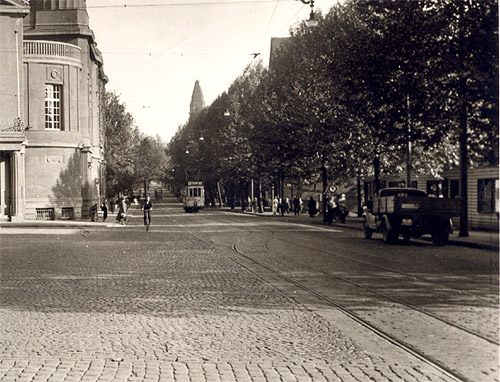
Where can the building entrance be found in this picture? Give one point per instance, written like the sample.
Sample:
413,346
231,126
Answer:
5,185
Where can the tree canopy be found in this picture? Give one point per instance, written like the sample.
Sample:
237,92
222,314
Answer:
374,78
133,159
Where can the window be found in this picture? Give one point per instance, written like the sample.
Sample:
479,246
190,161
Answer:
454,188
44,214
437,188
53,107
487,194
194,192
398,184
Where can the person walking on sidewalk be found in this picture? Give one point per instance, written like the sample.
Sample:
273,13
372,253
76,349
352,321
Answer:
93,212
312,207
104,209
296,206
121,216
148,206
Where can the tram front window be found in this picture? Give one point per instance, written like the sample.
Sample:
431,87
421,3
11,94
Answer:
194,192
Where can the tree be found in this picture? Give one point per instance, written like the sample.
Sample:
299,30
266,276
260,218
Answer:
469,84
119,154
151,161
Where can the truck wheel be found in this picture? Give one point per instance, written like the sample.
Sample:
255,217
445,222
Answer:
390,235
368,231
440,238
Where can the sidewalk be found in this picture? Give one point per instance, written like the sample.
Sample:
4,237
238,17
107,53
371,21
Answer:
110,222
476,239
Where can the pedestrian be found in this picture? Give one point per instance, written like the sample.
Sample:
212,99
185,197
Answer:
121,216
296,206
148,206
342,208
327,210
330,206
275,205
104,209
112,205
311,205
282,207
287,205
93,212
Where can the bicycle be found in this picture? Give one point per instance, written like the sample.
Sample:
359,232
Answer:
147,219
147,207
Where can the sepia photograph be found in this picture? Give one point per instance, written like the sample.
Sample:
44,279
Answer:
249,191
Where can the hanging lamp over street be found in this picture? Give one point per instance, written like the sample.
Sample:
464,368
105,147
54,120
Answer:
312,22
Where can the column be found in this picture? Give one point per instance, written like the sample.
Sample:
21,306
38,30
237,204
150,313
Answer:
17,185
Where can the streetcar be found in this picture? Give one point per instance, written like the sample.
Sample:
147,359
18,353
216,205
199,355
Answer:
193,196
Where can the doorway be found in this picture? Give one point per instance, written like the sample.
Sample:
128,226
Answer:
5,185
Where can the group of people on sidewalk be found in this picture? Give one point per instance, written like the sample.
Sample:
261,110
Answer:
122,206
335,207
283,206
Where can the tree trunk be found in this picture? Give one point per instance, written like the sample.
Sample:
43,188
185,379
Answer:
408,143
464,229
376,169
462,125
358,186
261,206
219,193
325,181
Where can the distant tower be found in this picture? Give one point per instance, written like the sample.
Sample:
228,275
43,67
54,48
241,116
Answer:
197,101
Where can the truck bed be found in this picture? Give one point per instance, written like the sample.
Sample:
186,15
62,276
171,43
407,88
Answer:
408,205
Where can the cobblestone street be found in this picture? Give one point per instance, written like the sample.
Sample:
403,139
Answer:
172,305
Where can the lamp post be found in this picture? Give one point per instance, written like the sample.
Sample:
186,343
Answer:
324,176
312,22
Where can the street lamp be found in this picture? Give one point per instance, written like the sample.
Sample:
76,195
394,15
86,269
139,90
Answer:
312,22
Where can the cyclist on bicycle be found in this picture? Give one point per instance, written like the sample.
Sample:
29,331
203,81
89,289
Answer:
148,206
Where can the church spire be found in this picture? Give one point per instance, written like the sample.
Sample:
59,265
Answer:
197,100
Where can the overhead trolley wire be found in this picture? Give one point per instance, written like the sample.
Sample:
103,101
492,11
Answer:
186,4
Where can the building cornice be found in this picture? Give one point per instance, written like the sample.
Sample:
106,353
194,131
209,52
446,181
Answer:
14,7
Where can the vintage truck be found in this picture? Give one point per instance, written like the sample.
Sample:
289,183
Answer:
411,213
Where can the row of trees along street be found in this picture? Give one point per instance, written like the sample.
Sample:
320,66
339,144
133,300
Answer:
351,96
133,159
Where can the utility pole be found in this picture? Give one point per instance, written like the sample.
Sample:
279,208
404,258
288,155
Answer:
408,148
325,181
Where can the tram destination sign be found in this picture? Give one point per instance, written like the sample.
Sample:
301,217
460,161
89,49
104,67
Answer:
195,183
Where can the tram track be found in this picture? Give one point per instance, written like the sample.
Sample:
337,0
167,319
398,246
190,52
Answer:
385,295
451,374
383,268
355,317
374,291
352,314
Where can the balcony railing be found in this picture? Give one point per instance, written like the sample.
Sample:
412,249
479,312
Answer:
45,49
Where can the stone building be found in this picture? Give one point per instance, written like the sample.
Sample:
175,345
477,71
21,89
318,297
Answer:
51,132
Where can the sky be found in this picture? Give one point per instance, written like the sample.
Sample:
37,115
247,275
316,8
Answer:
155,50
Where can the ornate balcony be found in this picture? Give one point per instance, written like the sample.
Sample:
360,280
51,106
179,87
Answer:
39,50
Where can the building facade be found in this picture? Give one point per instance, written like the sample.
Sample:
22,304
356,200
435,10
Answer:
51,128
483,192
